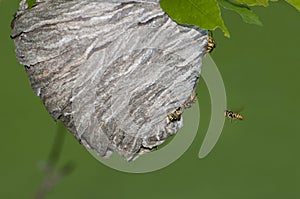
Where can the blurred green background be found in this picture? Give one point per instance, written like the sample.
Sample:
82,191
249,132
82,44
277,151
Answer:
255,158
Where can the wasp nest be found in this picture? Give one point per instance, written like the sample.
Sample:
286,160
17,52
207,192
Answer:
111,70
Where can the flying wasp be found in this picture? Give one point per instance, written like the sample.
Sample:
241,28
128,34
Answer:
232,115
175,115
210,44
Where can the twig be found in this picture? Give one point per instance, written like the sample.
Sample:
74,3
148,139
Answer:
52,173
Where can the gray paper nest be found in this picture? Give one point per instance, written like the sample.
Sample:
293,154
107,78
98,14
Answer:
111,70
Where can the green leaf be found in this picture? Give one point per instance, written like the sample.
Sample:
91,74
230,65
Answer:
30,3
253,2
246,13
202,13
295,3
